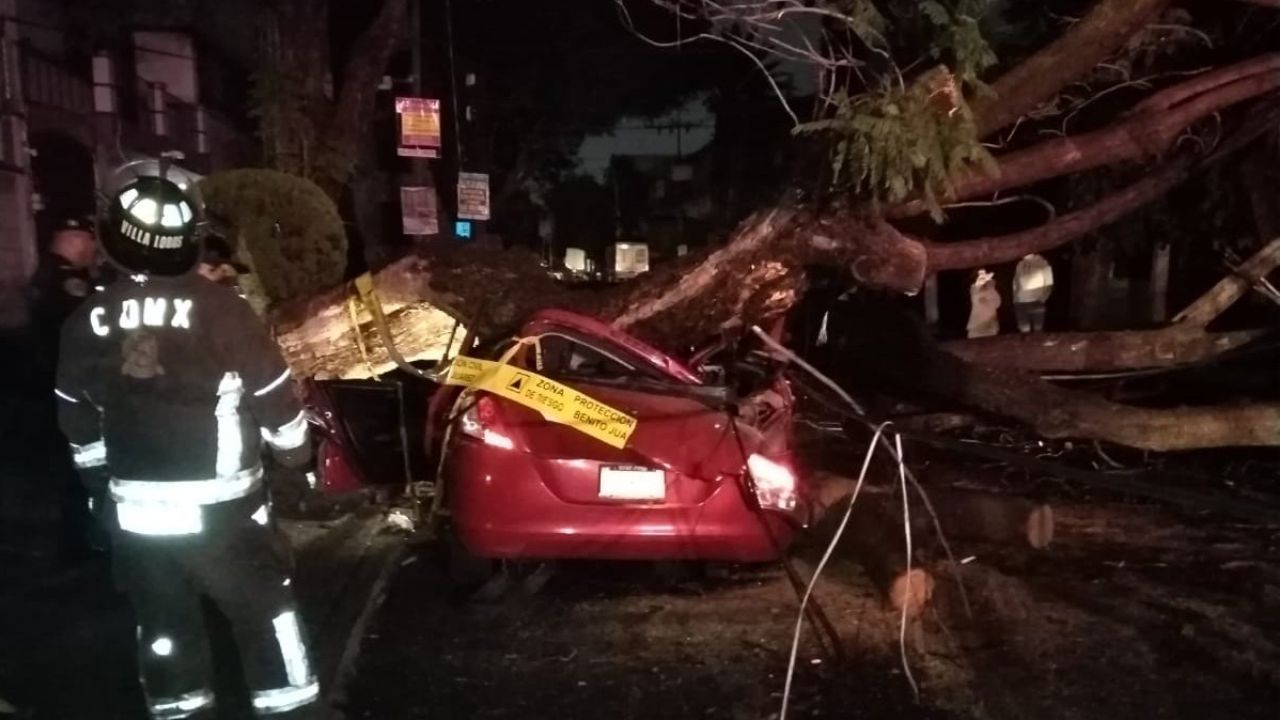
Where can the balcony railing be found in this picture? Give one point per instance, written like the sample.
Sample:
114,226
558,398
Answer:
150,119
46,82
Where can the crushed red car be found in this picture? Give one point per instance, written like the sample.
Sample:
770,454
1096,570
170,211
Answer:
707,475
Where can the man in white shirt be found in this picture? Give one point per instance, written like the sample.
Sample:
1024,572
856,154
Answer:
1032,285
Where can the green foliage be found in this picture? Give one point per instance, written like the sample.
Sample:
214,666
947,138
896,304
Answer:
287,230
960,40
895,140
891,145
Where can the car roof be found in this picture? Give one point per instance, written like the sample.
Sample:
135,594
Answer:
545,320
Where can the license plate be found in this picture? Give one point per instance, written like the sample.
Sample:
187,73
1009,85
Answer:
630,483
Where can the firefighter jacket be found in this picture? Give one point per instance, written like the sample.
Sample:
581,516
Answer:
172,384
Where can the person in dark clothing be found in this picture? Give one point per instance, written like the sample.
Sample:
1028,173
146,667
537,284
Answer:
171,384
64,279
218,264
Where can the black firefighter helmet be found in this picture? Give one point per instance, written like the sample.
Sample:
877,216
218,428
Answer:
153,218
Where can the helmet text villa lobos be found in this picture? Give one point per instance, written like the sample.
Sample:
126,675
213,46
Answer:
145,238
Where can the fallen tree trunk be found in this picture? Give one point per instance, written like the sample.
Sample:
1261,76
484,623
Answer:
758,273
1101,352
888,345
962,514
875,539
1187,341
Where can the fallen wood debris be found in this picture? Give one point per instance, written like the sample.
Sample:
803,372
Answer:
969,514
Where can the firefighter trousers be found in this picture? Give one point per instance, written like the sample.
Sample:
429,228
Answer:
238,564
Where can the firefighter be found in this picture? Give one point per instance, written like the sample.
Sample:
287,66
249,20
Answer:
172,383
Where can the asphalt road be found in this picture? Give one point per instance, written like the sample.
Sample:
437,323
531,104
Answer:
67,640
619,641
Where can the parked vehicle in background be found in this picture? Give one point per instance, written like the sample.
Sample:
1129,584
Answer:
707,475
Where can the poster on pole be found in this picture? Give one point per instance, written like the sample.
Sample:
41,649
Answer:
419,127
473,196
418,211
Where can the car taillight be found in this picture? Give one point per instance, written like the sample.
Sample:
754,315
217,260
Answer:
480,420
775,483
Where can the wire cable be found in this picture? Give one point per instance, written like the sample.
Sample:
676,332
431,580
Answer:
906,602
826,557
453,80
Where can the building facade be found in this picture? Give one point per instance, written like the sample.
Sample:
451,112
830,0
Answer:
75,105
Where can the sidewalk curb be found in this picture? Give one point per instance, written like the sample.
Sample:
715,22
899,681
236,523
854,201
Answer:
345,670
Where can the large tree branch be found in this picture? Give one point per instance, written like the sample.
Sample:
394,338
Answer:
1009,248
888,350
1135,138
1156,182
1210,80
1055,412
1093,39
1231,288
1139,135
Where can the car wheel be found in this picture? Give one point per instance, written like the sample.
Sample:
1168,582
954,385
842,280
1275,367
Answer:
467,571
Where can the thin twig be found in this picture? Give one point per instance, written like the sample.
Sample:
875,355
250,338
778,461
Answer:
626,15
1053,211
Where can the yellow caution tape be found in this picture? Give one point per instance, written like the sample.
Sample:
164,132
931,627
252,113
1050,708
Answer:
555,401
353,316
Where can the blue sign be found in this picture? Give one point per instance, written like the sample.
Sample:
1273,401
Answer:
462,228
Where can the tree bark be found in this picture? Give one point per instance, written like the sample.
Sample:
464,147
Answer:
962,513
1054,412
888,349
758,273
1100,352
1060,231
1137,138
311,134
1099,35
875,538
1143,134
488,291
360,79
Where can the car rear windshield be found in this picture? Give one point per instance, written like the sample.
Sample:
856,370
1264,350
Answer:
560,355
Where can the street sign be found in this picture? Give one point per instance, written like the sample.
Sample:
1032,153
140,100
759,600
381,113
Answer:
418,211
419,127
473,196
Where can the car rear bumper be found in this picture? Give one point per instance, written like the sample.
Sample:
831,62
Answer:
501,509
